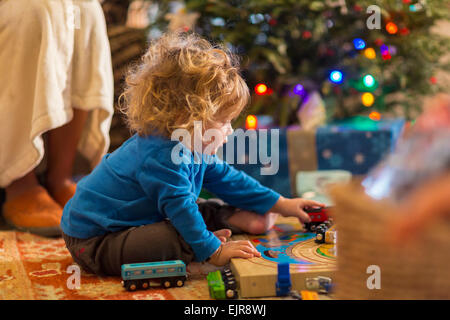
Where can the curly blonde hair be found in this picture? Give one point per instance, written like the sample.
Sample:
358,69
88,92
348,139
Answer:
182,78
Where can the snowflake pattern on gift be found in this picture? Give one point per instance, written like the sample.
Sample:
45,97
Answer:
326,154
349,148
380,143
359,158
336,161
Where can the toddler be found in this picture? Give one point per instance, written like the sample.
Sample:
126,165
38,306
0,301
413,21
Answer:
140,204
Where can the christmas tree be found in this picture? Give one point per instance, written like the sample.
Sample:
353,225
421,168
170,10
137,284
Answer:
362,57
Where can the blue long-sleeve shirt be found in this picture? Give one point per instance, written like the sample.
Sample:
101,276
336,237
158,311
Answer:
139,184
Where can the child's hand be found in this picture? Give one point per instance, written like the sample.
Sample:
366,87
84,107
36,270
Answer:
233,249
294,207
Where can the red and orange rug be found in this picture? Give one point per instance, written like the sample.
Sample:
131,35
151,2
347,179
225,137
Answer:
36,268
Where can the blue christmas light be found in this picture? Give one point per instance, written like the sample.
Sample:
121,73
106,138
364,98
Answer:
384,48
415,7
359,44
298,89
369,80
336,76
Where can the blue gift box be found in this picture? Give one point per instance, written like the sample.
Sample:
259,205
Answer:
357,144
277,180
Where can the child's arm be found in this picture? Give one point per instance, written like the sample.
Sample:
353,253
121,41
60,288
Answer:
238,189
170,187
294,207
241,190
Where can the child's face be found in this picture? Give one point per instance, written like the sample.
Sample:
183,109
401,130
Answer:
216,135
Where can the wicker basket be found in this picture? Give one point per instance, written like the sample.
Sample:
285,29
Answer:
415,270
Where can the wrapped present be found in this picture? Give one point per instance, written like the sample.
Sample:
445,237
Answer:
263,156
355,145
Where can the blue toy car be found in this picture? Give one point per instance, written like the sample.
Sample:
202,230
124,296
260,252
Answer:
167,273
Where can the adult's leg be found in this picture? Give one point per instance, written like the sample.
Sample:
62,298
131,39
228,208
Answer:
28,206
62,148
21,185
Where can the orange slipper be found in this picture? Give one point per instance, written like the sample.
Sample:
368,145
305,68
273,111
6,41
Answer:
64,194
34,211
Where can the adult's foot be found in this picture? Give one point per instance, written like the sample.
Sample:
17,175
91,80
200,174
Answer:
33,211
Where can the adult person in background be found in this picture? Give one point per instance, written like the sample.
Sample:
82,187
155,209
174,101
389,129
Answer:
55,81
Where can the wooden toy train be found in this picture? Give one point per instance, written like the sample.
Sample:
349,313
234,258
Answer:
222,284
321,224
166,273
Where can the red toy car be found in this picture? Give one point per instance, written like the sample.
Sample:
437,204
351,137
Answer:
318,216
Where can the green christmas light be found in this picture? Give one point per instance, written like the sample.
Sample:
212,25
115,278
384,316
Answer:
369,81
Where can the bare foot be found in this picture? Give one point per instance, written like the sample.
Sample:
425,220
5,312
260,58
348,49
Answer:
251,222
61,190
223,234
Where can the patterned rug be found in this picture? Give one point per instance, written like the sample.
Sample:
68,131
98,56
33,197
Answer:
36,268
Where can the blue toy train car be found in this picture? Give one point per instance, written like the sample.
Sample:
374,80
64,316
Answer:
167,273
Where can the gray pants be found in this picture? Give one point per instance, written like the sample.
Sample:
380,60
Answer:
104,255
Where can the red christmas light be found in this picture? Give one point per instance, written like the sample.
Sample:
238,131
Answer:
391,28
307,34
378,42
330,52
251,122
376,116
404,31
386,55
433,80
261,89
357,8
